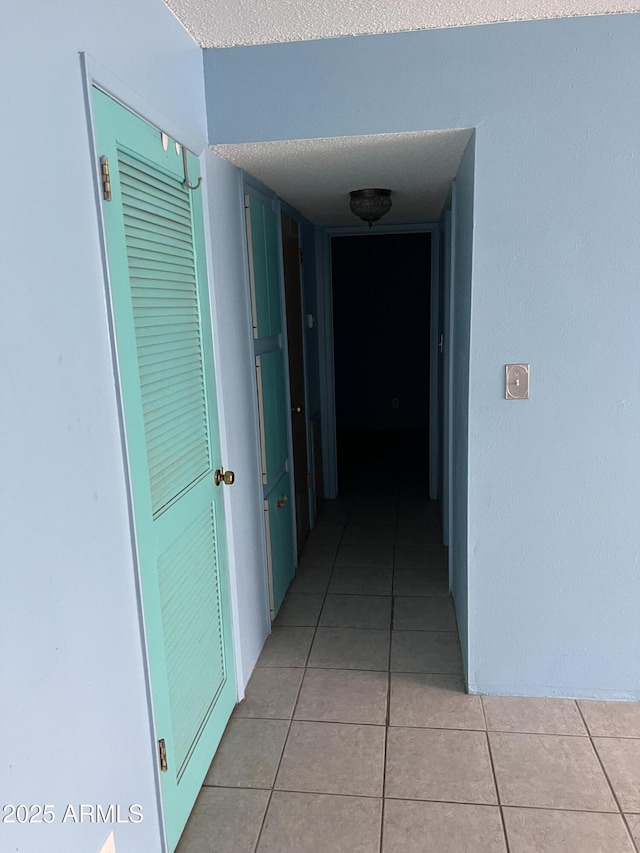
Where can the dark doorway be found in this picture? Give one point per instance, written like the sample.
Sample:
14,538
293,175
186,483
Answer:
293,300
381,320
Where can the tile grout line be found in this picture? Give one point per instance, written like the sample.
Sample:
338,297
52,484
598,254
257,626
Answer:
271,790
388,710
264,817
275,775
495,805
306,667
295,704
495,780
606,776
420,728
365,669
324,601
417,800
319,793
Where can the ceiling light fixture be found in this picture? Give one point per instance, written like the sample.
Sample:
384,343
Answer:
370,204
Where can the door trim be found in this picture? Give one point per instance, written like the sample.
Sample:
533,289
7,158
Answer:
253,189
434,426
447,366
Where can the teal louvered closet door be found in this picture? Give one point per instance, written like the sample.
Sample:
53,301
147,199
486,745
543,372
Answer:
158,288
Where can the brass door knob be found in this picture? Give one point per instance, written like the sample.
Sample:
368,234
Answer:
222,476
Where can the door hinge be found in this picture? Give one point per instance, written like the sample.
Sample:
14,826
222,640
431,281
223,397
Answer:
162,753
300,257
106,178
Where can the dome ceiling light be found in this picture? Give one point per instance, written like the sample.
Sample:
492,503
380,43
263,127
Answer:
370,204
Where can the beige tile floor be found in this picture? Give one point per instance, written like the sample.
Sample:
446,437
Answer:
356,735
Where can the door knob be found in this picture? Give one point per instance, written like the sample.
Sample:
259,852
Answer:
297,409
222,476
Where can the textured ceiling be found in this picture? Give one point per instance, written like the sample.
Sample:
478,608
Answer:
315,176
228,23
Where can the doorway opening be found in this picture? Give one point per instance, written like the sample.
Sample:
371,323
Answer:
381,320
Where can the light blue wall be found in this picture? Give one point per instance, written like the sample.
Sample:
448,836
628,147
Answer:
74,716
553,483
235,368
459,343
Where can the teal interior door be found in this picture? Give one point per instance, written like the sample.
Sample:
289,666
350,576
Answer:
158,287
264,268
272,406
279,524
265,254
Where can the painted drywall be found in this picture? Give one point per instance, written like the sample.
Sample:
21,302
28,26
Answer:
553,482
75,726
459,342
235,367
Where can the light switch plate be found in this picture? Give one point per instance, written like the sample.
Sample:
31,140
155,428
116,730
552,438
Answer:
109,845
517,381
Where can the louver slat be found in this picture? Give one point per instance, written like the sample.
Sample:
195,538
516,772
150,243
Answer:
191,620
150,335
142,262
186,462
150,322
153,183
139,182
153,357
156,406
141,215
172,431
161,393
176,338
155,245
154,189
144,251
156,374
148,212
169,273
157,220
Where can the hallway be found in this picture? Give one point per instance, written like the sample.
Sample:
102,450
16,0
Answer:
356,735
